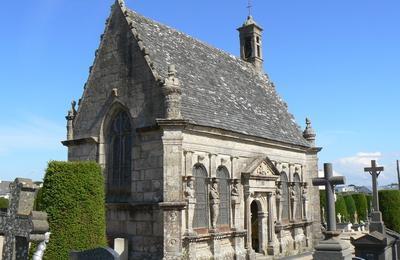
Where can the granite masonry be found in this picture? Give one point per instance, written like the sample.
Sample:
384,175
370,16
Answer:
201,157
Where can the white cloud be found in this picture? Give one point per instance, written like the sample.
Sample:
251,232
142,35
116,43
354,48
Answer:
30,133
361,159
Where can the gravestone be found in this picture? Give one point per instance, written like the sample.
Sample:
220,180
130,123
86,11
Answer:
100,253
332,248
20,224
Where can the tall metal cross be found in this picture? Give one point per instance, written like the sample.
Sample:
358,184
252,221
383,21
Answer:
374,170
329,181
249,6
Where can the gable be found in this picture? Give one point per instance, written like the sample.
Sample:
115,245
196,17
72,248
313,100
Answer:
218,89
119,64
261,167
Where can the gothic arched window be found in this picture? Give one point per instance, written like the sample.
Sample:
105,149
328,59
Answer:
285,197
200,218
297,190
224,192
119,161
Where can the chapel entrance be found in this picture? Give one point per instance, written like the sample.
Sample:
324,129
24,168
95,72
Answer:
255,234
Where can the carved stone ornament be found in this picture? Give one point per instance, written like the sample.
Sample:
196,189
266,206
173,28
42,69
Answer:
172,92
189,190
214,202
235,195
263,169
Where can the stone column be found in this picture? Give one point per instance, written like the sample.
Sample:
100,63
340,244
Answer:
173,200
248,220
262,235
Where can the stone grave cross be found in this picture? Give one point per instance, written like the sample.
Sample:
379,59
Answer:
376,216
374,171
329,181
331,247
20,224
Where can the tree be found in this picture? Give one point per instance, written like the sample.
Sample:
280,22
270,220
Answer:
389,205
3,203
361,205
341,208
73,196
351,207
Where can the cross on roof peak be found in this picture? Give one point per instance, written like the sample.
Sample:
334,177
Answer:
249,7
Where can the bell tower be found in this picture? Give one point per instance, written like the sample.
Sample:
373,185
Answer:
250,35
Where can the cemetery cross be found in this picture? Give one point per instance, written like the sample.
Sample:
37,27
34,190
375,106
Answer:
374,171
20,224
329,181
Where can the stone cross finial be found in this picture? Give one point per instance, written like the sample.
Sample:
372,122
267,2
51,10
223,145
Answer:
329,181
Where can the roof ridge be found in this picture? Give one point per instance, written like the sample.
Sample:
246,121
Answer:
230,55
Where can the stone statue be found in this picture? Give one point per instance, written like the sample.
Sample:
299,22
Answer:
235,192
38,255
189,192
279,200
323,215
214,203
339,217
305,200
355,217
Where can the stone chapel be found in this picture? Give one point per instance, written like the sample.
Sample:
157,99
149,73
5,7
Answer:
201,158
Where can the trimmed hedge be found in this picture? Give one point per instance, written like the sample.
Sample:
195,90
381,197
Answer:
389,205
351,207
73,196
369,202
341,208
3,203
361,206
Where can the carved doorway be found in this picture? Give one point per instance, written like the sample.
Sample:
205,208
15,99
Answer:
255,225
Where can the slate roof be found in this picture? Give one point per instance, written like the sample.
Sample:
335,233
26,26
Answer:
218,89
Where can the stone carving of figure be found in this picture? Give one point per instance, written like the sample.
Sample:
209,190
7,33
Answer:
214,203
278,197
339,217
235,192
38,255
323,215
189,192
305,201
294,201
355,218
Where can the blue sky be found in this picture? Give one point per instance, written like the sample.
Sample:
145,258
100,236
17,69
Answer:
337,62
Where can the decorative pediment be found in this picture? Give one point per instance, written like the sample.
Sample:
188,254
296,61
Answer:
261,167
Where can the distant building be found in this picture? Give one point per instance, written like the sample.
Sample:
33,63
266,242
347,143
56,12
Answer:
352,189
5,189
393,186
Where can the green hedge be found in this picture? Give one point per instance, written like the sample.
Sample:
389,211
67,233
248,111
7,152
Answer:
389,205
73,197
3,203
341,208
369,202
351,207
361,206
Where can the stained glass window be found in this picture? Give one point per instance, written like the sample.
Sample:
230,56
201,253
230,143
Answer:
224,194
200,218
119,158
